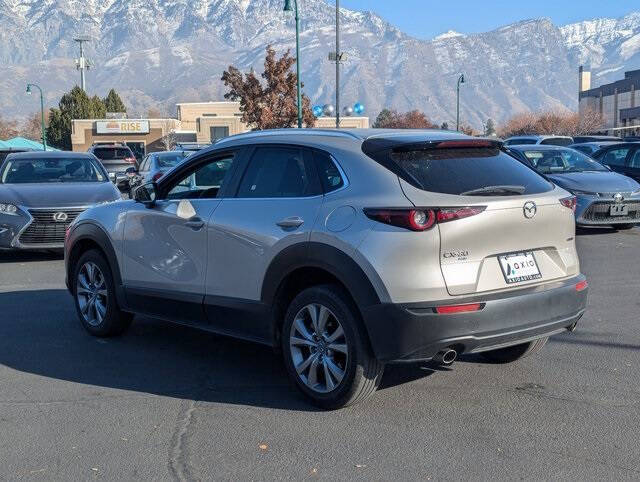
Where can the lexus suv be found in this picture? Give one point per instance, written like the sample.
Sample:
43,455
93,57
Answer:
346,250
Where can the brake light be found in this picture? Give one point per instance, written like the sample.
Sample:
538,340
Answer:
570,202
413,219
130,160
451,309
157,176
451,214
466,143
420,219
582,285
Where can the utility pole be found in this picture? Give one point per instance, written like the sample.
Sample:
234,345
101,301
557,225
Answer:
30,88
289,8
338,57
82,64
460,81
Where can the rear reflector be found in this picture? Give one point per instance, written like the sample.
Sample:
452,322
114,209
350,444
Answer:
569,202
583,285
449,309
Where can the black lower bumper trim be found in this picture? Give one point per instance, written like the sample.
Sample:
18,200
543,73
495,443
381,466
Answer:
405,332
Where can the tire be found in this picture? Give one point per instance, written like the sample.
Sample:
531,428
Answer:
514,353
92,278
353,372
623,227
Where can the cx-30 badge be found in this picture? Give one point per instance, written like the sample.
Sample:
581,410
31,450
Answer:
60,217
530,209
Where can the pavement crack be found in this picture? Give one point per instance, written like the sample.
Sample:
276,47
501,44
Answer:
178,464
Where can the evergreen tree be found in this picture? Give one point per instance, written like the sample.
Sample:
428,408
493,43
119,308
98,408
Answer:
489,128
113,102
445,126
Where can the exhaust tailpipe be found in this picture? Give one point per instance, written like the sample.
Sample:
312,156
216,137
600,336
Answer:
446,356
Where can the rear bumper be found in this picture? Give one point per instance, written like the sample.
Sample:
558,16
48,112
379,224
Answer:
405,332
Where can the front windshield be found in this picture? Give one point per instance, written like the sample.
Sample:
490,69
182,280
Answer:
554,161
172,159
24,171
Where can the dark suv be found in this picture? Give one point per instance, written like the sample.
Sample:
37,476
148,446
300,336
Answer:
116,159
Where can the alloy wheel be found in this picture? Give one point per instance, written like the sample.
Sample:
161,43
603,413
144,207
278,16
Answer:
318,348
91,292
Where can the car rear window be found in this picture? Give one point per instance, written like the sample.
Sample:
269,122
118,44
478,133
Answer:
557,141
108,153
461,170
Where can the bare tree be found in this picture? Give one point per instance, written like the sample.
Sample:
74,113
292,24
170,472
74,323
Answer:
169,137
8,129
391,119
552,122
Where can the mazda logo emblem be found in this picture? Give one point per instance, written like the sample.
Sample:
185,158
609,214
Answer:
530,209
60,217
618,197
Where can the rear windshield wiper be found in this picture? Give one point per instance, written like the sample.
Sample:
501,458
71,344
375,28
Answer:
495,191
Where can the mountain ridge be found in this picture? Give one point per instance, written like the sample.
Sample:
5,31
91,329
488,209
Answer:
159,52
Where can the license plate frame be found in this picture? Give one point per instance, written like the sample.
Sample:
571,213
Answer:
519,267
619,210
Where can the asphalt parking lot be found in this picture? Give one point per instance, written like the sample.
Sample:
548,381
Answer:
169,402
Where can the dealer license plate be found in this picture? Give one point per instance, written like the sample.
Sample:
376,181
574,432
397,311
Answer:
619,210
519,267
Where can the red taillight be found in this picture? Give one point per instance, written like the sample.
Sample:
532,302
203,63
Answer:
451,214
450,309
413,219
569,202
157,176
130,160
466,143
420,219
582,285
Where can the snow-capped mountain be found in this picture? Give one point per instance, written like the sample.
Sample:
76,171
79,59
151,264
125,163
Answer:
159,52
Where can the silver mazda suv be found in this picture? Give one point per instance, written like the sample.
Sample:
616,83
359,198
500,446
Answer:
346,250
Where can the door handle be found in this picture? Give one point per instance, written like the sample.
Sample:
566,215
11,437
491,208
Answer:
292,222
195,223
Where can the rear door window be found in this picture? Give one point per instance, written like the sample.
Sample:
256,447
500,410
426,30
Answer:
275,172
615,157
461,171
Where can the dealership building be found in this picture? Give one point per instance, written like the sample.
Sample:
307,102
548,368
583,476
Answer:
201,122
618,102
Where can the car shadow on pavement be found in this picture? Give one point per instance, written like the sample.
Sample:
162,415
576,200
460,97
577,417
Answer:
40,334
28,256
583,231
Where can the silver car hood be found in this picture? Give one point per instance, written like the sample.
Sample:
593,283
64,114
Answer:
58,194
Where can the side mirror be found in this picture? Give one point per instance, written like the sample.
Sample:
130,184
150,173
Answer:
146,194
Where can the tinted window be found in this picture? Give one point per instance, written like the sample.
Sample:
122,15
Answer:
553,161
203,183
635,160
22,171
329,173
461,170
615,157
557,141
107,153
170,159
278,172
519,141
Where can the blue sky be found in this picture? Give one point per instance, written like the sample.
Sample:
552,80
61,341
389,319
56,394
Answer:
428,18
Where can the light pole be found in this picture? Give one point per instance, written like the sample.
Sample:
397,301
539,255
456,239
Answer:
289,8
44,133
338,55
460,81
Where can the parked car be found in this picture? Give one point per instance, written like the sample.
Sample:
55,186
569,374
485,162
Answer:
590,148
623,157
544,140
5,152
41,193
346,249
156,164
603,196
587,138
116,159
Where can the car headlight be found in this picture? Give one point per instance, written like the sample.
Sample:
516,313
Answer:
584,193
11,209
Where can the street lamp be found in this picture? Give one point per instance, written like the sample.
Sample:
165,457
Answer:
289,8
460,81
44,134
